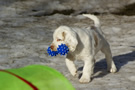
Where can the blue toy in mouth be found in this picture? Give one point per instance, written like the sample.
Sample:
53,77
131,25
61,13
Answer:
52,53
62,50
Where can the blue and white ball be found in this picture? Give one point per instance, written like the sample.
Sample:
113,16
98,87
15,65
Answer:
62,50
52,53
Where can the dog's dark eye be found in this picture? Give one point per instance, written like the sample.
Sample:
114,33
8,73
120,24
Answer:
58,39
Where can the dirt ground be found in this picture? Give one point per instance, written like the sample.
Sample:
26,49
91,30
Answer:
24,40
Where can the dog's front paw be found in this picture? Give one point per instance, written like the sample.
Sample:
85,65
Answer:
84,80
74,73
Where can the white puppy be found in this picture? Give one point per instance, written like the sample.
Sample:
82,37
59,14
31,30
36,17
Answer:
83,45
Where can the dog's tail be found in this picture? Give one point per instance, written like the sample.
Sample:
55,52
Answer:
96,21
94,18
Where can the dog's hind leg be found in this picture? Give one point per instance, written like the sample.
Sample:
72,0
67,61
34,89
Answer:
110,63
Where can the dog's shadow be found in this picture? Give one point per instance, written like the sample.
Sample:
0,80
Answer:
119,60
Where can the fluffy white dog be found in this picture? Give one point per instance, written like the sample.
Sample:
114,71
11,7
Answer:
83,45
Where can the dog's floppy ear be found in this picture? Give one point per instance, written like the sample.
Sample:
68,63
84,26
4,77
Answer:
70,39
